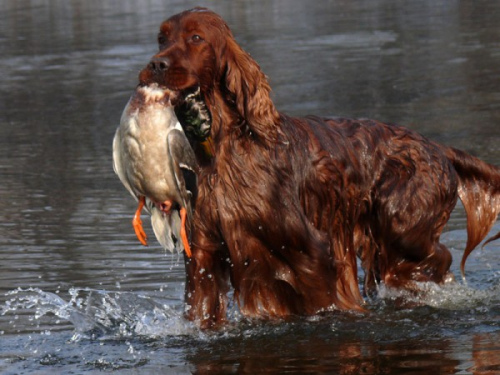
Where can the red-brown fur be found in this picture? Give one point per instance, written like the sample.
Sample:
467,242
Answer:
286,205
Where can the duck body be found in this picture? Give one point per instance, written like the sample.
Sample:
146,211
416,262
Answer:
155,162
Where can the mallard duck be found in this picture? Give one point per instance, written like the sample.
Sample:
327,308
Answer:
156,164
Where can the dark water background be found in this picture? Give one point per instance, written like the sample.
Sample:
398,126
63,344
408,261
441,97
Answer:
78,294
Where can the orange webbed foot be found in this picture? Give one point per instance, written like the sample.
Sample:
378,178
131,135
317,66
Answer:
137,223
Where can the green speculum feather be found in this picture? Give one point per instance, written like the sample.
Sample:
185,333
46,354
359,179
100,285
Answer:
194,117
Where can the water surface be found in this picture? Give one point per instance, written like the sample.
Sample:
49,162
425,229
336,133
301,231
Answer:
77,291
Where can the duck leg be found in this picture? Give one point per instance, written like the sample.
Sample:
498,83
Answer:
166,207
184,237
137,222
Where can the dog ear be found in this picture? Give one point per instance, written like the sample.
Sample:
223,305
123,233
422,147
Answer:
251,91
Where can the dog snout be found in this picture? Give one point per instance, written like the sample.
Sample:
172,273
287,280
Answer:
159,64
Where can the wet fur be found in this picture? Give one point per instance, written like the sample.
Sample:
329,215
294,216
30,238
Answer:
286,205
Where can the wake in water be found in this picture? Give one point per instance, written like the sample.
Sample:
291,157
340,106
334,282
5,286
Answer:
452,296
99,314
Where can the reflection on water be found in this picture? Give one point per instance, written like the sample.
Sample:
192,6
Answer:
93,299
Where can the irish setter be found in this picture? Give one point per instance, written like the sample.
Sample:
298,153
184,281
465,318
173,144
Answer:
286,205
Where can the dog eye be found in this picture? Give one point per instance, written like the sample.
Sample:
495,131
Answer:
161,39
196,38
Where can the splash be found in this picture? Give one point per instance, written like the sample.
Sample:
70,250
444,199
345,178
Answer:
99,314
104,315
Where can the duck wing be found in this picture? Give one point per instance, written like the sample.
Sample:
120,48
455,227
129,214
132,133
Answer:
118,161
184,167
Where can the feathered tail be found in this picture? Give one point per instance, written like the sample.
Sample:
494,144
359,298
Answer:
167,229
479,191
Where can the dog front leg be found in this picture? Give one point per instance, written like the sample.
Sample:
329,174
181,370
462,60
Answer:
207,284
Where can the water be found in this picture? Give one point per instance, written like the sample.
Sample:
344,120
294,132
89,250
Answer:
78,294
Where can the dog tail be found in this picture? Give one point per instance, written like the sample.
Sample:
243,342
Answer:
479,191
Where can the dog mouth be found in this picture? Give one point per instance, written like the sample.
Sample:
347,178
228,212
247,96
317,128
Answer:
189,106
193,114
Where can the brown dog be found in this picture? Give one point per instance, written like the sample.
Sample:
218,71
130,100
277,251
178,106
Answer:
285,205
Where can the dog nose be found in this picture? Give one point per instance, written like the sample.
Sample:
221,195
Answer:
159,64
